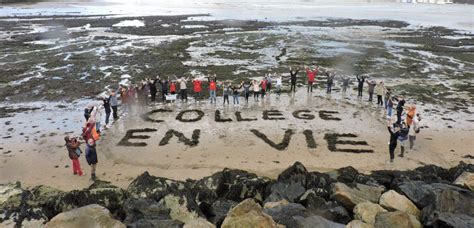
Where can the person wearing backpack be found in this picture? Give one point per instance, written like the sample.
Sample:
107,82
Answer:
414,129
74,152
402,138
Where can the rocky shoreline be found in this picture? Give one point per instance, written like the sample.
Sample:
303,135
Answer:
428,196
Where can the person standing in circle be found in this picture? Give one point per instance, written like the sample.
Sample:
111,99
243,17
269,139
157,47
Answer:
394,131
74,152
212,88
360,86
197,88
293,78
311,74
91,157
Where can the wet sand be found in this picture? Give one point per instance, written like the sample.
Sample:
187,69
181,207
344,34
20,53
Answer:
42,158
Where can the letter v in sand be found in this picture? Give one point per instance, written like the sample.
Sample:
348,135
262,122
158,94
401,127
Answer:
280,146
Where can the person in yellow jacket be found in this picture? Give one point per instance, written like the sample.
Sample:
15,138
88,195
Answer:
410,114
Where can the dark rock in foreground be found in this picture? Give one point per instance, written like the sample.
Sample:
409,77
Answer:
297,198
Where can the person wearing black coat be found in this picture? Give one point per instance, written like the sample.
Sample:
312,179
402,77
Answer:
107,109
360,87
153,90
394,134
293,75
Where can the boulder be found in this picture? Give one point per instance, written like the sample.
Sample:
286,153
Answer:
218,211
310,199
349,197
284,214
394,201
148,186
456,171
320,183
285,191
366,212
142,211
31,208
447,219
331,210
396,219
235,185
359,224
100,192
88,216
346,175
178,208
297,173
315,221
275,204
421,193
466,179
168,223
9,190
198,223
450,207
392,178
248,213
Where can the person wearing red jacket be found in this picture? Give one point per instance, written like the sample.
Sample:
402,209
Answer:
197,88
74,152
173,87
212,88
311,76
263,85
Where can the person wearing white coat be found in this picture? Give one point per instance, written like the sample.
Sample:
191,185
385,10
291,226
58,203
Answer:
414,129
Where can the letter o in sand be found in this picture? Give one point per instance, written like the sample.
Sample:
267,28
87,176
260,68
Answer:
199,113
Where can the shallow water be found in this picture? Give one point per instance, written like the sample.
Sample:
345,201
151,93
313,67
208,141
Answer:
455,16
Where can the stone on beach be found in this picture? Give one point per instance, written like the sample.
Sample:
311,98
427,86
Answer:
466,179
366,212
396,219
394,201
248,213
349,197
93,216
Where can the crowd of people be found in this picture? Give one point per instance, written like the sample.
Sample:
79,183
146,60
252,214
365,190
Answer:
404,128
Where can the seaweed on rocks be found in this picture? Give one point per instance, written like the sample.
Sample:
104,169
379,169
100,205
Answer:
148,186
280,146
456,171
100,192
235,185
151,201
320,183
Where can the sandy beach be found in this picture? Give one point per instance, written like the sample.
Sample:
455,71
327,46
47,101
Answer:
57,57
43,159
